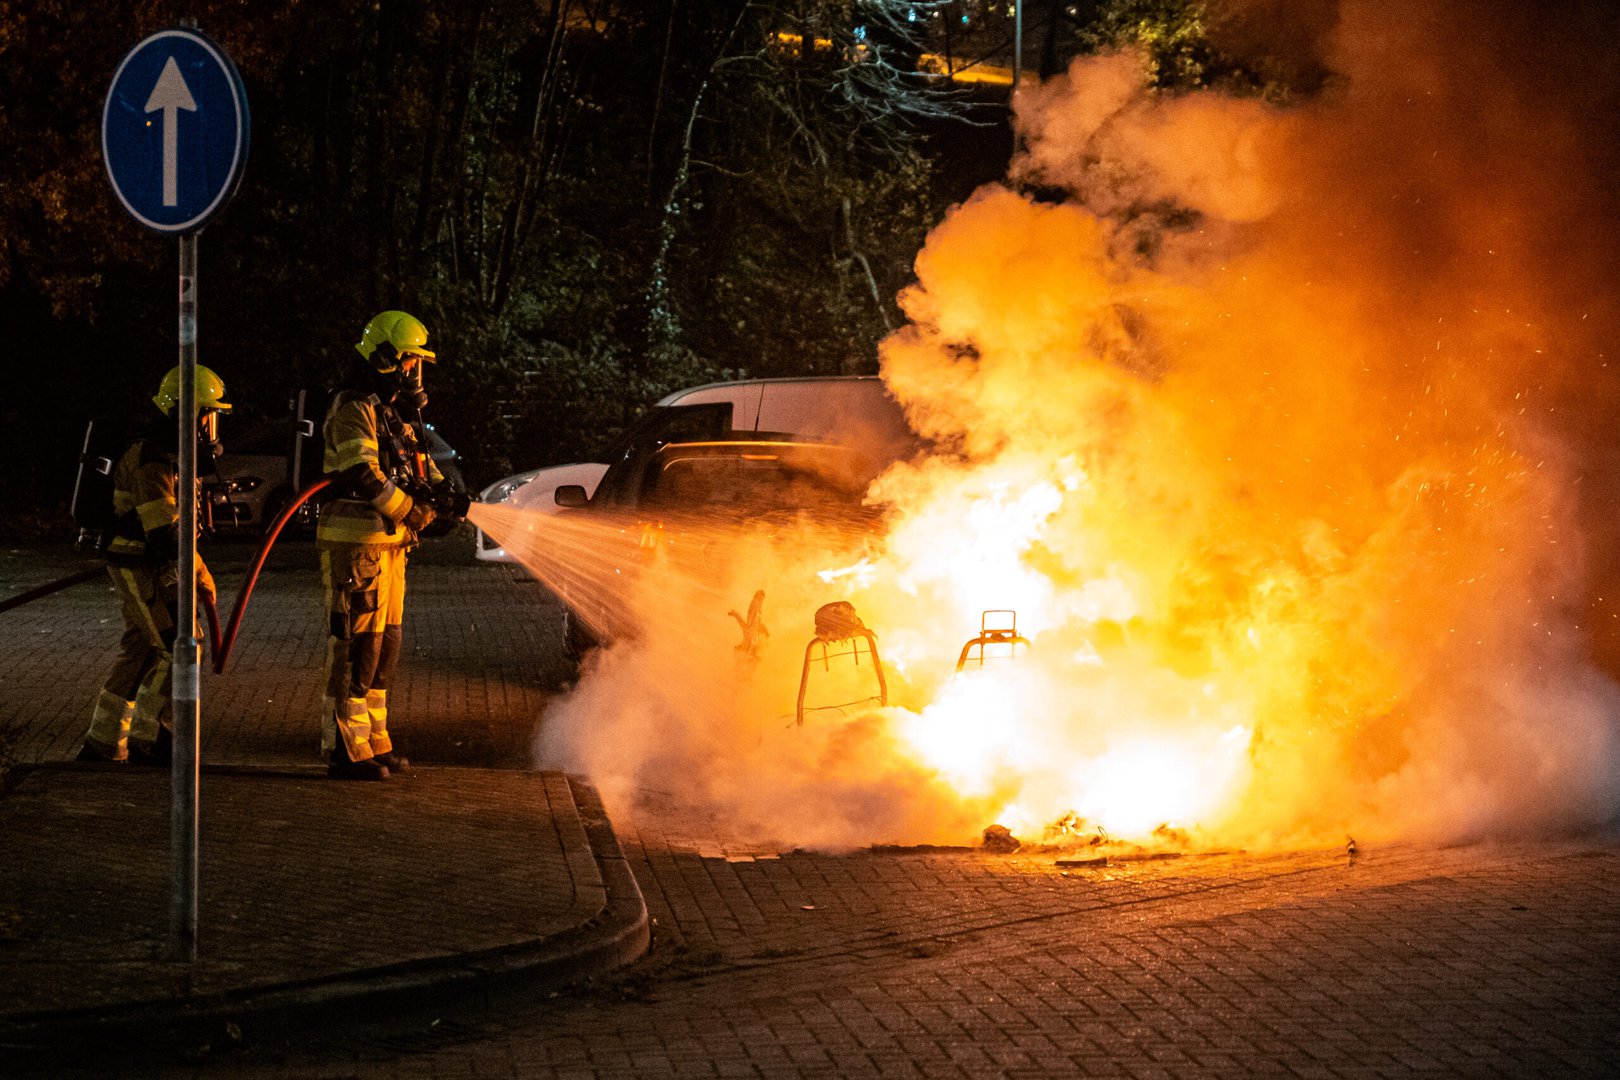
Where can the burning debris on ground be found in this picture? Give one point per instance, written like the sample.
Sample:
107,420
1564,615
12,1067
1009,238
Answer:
1076,842
999,840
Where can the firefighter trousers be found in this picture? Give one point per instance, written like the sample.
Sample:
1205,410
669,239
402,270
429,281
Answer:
134,699
365,606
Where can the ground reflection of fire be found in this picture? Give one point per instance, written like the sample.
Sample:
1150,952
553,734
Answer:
1271,433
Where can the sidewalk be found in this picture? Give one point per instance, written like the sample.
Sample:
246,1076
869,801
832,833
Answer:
315,897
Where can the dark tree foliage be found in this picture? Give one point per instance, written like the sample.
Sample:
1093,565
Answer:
590,202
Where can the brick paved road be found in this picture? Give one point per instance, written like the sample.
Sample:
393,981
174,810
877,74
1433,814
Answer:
1472,962
1468,962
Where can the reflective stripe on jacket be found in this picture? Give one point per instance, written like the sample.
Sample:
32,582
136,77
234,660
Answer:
367,448
146,528
143,504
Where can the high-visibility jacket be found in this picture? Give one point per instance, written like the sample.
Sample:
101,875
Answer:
146,525
371,454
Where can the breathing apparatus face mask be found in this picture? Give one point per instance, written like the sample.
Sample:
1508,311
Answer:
397,378
208,432
410,392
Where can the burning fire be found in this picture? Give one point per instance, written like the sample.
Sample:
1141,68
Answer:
1283,432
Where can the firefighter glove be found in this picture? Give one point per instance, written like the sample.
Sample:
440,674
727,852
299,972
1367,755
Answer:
419,516
452,504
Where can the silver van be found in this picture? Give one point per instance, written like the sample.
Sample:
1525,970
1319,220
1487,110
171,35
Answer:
851,410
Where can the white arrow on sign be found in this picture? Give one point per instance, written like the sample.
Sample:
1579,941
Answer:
171,94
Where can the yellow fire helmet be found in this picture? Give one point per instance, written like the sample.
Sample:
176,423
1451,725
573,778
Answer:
404,334
207,390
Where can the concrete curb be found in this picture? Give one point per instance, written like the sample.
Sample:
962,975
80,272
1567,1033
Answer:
606,929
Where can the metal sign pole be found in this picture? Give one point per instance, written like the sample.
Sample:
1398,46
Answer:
187,741
1018,43
174,139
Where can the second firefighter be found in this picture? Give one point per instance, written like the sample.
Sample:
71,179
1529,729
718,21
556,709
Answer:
385,491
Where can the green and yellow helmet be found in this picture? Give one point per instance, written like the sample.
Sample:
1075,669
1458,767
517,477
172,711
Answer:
207,390
391,335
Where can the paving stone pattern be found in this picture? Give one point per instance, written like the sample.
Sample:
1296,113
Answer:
299,879
1477,962
1473,962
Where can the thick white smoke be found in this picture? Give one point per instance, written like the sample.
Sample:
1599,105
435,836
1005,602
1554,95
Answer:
1285,431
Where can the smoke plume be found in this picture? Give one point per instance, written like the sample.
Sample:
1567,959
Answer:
1284,429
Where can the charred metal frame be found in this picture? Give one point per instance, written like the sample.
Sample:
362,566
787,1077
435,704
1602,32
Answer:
836,624
994,635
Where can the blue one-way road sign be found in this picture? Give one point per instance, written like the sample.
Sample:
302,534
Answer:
174,132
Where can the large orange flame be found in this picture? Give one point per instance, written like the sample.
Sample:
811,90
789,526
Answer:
1281,432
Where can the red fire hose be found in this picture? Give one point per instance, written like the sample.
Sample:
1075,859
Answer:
57,586
218,649
212,611
222,652
97,571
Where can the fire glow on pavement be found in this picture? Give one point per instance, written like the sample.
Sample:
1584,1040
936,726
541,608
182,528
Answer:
1275,431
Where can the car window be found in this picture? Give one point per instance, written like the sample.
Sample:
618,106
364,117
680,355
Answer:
744,485
624,483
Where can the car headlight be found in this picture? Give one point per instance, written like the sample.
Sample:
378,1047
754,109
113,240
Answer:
235,485
502,490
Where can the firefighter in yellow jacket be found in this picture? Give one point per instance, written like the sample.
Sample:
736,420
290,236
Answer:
386,490
131,716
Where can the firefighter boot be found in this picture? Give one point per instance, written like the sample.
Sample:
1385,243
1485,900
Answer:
98,752
394,763
108,737
159,752
339,767
382,746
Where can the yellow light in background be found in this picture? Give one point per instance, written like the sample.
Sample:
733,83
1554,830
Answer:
972,72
